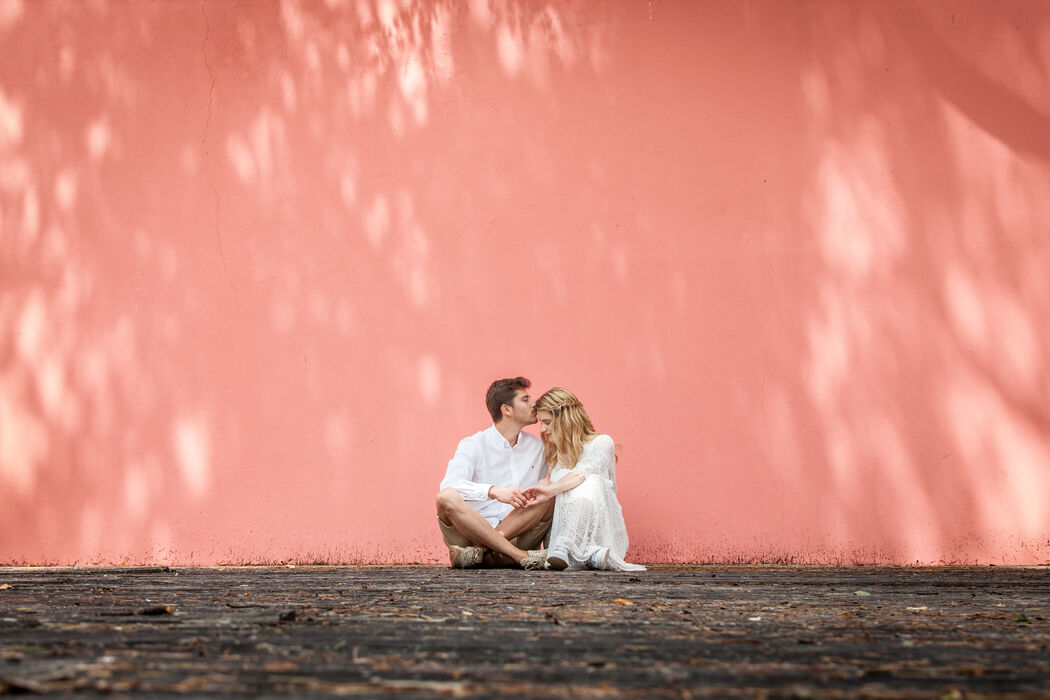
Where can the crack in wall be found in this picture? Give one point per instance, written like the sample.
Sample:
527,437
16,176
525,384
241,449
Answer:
205,153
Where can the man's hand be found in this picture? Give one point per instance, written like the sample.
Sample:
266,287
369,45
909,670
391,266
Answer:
540,493
508,494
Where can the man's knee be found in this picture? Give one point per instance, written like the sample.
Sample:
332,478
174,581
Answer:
448,499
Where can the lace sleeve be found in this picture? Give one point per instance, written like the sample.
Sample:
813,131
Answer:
599,459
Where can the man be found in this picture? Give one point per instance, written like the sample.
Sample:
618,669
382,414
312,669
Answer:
481,511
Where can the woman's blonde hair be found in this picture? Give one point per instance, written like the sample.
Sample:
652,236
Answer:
571,428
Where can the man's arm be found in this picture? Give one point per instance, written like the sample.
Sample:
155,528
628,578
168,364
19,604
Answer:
460,475
508,494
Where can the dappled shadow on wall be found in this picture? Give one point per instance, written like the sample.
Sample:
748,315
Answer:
869,379
237,241
260,262
923,357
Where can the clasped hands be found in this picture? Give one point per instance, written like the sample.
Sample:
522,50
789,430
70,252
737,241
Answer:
523,498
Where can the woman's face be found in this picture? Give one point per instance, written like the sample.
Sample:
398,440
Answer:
545,418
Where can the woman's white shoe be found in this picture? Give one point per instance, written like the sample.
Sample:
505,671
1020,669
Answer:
557,561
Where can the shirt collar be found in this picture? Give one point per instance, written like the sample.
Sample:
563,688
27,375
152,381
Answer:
497,440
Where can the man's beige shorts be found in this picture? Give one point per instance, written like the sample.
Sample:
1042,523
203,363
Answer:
530,539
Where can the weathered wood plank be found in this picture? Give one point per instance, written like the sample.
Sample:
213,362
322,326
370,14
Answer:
423,631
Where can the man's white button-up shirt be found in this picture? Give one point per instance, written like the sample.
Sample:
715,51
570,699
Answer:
486,459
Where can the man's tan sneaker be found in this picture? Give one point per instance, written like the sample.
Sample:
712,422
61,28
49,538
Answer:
465,557
534,560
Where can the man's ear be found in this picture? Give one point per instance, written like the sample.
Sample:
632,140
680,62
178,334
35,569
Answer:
508,412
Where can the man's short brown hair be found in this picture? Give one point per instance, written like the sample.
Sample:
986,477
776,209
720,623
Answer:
501,392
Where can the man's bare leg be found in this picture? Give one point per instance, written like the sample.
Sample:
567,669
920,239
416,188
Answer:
452,509
522,520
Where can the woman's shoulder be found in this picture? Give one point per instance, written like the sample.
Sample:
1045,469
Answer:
601,441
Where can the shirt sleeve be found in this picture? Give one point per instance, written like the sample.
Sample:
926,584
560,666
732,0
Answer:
461,471
600,460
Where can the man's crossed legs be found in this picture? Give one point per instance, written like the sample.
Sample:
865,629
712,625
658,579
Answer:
506,545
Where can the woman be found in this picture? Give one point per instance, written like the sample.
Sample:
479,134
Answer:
588,531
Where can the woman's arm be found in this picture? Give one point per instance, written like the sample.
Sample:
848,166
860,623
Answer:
599,459
544,491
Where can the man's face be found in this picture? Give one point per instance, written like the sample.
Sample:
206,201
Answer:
521,408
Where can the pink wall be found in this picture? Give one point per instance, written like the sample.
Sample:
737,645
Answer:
259,262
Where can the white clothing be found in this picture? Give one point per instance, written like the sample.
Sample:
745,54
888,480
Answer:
588,531
486,459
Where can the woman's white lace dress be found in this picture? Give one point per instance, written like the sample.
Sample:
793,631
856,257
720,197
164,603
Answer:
588,531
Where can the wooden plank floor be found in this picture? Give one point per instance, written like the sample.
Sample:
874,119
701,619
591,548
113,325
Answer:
708,631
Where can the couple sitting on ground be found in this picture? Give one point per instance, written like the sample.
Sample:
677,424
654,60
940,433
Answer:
506,490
